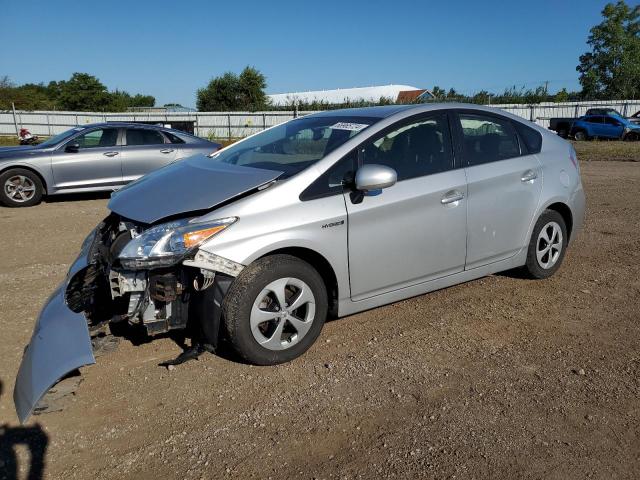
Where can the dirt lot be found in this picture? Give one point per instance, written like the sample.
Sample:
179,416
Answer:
499,378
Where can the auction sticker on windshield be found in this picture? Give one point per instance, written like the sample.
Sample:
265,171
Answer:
352,127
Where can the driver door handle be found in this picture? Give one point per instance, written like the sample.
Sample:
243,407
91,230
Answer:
166,150
110,154
529,176
452,196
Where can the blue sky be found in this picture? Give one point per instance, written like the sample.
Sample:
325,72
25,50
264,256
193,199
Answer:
170,48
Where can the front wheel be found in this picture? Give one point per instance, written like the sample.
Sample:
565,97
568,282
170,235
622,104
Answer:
20,188
275,309
631,137
547,245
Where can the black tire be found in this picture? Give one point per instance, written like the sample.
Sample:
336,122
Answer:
580,135
631,137
243,293
30,181
533,268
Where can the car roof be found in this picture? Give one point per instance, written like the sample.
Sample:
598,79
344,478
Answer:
128,124
389,110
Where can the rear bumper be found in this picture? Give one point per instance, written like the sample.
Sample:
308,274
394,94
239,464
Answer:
60,344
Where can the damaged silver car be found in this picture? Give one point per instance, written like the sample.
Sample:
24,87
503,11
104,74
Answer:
325,215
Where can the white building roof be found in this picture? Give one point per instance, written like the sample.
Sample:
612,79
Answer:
340,95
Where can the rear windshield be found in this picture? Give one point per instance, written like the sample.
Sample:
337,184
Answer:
295,145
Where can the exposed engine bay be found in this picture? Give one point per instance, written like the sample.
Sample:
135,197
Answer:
159,298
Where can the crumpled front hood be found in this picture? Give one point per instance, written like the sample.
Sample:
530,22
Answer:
197,183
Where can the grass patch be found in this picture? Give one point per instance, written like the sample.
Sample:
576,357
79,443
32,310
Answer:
8,141
607,151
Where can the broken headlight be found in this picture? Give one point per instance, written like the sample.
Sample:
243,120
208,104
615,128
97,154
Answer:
167,243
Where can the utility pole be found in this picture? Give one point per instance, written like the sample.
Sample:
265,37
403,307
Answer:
15,123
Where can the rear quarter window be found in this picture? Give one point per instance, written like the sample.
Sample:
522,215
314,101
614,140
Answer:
531,138
173,138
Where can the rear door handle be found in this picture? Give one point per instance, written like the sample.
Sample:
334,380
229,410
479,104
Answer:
110,154
166,150
452,196
529,176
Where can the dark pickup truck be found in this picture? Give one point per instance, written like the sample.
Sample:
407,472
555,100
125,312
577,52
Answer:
563,126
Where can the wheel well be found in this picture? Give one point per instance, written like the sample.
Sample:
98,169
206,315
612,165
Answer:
564,210
322,266
22,167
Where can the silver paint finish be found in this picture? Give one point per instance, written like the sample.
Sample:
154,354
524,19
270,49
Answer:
500,207
493,207
60,344
416,236
406,235
197,183
375,177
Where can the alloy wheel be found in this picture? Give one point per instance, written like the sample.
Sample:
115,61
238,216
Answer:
19,188
549,245
283,313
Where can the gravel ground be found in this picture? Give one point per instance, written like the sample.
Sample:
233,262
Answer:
498,378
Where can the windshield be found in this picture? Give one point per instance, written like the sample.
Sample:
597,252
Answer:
295,145
56,139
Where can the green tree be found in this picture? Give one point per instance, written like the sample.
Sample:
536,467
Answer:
612,66
251,86
561,96
230,92
439,93
83,92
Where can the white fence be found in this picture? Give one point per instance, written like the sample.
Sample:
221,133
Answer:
205,124
241,124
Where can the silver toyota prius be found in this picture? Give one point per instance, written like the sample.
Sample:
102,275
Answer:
91,158
326,215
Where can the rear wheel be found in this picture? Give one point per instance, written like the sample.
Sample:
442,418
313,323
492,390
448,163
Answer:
547,245
581,135
275,309
20,188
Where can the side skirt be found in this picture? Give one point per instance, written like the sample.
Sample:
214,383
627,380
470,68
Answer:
349,307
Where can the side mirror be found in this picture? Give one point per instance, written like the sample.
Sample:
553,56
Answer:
72,148
375,177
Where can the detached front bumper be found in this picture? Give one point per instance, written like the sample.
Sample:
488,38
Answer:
60,344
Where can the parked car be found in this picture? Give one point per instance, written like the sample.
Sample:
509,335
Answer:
605,126
563,125
635,118
103,156
329,214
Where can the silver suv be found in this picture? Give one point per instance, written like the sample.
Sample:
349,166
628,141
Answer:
329,214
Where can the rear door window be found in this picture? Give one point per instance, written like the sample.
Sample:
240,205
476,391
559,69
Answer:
144,136
487,138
